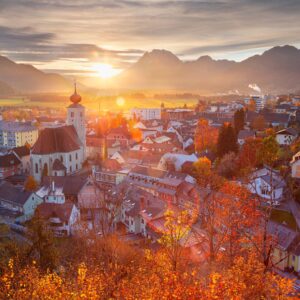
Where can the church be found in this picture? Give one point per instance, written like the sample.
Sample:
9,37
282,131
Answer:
61,151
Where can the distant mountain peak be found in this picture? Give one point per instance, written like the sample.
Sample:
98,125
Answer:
205,58
157,55
286,49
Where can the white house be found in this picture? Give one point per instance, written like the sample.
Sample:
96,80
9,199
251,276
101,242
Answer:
60,218
177,159
286,136
295,165
18,200
268,184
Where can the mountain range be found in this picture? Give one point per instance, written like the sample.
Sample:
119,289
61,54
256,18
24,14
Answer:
275,71
24,78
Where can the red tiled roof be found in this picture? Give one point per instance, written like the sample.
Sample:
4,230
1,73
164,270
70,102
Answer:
62,211
60,139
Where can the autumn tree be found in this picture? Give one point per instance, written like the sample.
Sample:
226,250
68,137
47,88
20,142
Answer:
239,120
30,184
228,165
176,230
205,136
42,244
227,140
227,214
259,123
248,157
202,171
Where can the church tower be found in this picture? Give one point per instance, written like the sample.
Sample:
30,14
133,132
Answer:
76,117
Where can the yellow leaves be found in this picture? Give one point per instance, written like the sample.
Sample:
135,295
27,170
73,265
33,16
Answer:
81,273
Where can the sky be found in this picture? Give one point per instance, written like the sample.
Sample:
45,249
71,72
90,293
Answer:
87,37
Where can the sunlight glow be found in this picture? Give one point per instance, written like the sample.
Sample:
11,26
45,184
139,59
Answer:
120,101
105,70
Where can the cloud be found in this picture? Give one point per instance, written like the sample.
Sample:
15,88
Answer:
120,31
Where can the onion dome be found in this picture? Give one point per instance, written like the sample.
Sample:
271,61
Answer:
75,98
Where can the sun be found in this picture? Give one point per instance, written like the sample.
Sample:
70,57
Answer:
120,101
105,70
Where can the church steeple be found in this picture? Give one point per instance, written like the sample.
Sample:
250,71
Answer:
75,98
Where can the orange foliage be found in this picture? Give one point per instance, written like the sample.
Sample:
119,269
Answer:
205,136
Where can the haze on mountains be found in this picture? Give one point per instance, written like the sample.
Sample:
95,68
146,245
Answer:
275,71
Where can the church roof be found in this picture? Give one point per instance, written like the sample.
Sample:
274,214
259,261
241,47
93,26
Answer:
54,140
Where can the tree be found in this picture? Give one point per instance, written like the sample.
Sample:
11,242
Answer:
239,120
202,171
227,140
176,229
248,157
228,165
205,136
227,214
259,123
269,151
42,247
30,184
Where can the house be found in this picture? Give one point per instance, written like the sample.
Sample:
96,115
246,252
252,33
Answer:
295,165
60,218
17,199
118,136
176,160
10,165
244,135
23,154
61,189
268,184
286,136
106,174
136,205
287,246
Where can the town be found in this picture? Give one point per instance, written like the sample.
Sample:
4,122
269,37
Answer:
129,174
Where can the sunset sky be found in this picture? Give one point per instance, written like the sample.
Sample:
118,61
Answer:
91,37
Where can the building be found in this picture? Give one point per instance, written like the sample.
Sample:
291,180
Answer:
60,151
295,165
23,154
286,136
60,218
10,165
16,134
146,113
268,184
18,200
259,102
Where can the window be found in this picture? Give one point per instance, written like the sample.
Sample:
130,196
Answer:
36,168
76,155
70,157
72,115
61,158
70,169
